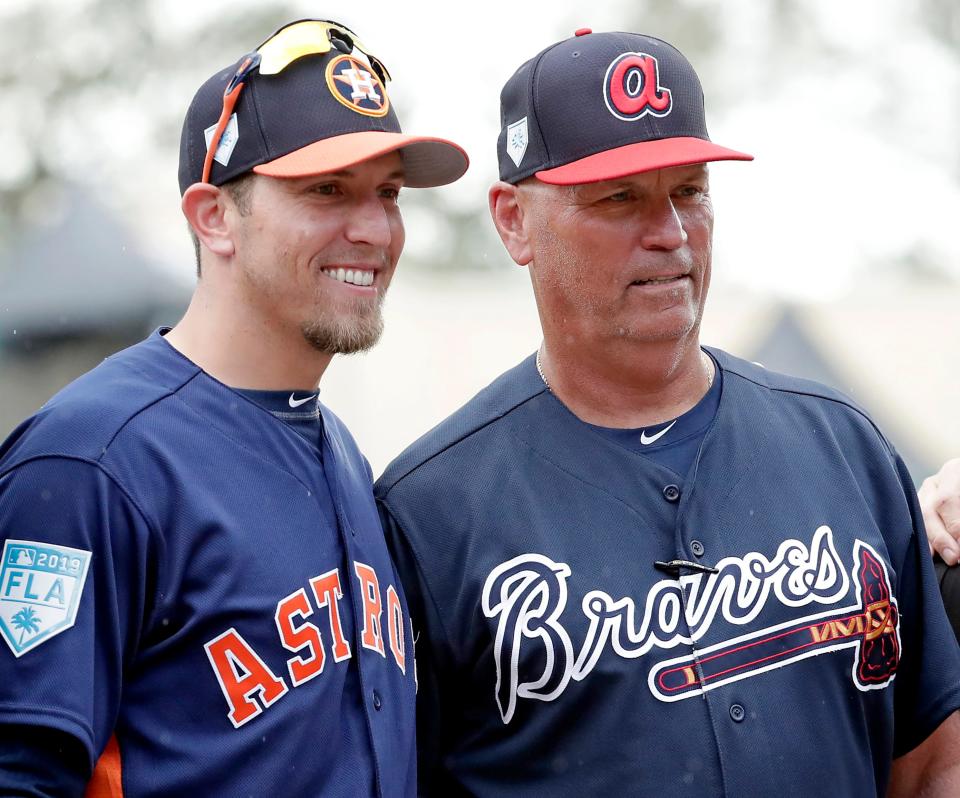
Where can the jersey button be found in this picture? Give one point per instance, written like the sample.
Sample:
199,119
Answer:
738,713
671,493
697,548
377,703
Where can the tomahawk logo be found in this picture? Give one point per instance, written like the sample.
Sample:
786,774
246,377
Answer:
528,594
631,88
871,627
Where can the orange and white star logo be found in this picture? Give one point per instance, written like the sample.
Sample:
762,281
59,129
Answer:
355,85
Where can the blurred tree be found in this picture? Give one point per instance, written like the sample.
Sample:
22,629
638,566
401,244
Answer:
73,74
746,51
942,19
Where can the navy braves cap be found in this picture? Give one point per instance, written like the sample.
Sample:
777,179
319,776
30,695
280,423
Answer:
599,106
322,112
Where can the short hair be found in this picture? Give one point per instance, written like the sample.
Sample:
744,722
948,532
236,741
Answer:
239,189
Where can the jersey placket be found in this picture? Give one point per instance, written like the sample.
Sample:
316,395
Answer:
353,542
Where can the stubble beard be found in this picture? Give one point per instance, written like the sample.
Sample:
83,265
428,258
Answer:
351,329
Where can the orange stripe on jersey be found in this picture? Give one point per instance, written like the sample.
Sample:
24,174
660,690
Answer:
106,781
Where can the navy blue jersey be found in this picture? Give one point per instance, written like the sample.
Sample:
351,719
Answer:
949,578
589,623
185,587
674,443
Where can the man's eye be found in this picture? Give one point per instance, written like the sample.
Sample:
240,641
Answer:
390,193
690,191
620,196
325,189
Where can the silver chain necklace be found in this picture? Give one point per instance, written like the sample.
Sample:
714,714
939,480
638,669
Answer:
540,369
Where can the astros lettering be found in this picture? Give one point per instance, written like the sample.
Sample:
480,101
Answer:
243,674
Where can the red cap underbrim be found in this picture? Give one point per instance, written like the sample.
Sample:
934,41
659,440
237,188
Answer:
427,161
641,156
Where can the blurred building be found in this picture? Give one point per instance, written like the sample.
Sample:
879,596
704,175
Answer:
72,292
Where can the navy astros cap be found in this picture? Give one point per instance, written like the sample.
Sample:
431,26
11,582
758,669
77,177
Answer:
600,106
312,101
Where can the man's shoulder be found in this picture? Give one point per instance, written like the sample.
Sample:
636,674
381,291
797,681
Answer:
490,406
85,418
762,378
807,402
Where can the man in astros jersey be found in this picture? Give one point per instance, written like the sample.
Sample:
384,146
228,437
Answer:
195,593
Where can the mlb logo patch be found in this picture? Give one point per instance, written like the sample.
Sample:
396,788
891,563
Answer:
40,588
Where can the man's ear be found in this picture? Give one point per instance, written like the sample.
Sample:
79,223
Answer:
205,207
508,217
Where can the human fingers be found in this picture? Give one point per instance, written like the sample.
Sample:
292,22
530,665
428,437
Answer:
935,497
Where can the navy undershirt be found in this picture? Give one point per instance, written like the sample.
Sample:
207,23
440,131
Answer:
304,417
675,443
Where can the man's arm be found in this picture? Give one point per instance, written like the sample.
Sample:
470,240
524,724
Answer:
41,762
64,521
932,769
948,576
940,502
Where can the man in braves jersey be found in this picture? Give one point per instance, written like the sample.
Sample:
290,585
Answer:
638,566
195,594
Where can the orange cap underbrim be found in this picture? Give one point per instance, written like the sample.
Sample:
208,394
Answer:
427,161
641,156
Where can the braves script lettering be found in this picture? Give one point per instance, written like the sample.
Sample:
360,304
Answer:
528,594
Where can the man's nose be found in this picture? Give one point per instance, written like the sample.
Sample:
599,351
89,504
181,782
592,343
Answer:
368,223
661,226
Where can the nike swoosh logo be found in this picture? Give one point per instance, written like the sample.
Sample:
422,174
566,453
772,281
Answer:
646,440
297,402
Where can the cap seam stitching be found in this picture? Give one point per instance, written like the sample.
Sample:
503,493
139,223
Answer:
255,97
535,99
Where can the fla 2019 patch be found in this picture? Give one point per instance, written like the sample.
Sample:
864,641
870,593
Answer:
40,588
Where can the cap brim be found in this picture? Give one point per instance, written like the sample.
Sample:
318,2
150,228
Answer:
641,156
426,161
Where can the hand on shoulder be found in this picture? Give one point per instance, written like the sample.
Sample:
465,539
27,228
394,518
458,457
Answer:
940,502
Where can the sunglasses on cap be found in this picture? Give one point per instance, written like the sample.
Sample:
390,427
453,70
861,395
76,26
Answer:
282,48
